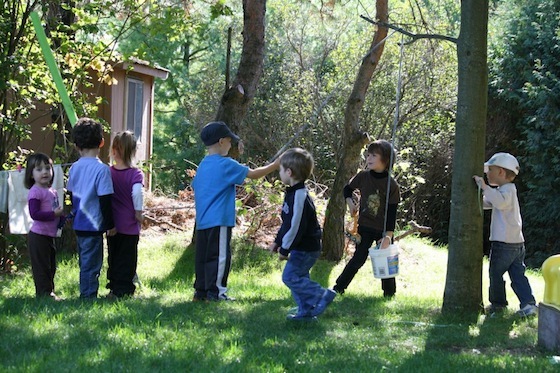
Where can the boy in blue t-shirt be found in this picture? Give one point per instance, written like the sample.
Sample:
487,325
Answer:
214,196
90,185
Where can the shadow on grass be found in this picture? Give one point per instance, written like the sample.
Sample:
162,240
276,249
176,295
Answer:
245,257
134,334
481,342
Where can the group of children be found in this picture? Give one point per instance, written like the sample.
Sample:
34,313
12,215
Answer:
109,200
298,240
105,200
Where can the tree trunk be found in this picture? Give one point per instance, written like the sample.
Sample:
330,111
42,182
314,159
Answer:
237,98
353,141
463,286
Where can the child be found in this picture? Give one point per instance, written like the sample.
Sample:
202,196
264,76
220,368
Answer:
127,213
374,223
507,250
299,238
90,185
214,195
45,210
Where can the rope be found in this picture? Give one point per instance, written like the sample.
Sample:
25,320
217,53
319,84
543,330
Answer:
393,134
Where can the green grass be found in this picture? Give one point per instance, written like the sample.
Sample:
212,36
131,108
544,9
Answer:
160,329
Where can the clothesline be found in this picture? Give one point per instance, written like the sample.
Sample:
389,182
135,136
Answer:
21,167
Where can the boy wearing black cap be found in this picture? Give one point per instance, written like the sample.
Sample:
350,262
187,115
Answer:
507,252
214,196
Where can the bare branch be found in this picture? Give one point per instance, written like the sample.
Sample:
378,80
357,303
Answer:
411,35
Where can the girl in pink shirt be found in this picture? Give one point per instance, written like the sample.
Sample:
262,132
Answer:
46,212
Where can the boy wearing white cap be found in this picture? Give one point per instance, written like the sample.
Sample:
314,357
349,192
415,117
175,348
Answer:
507,253
214,197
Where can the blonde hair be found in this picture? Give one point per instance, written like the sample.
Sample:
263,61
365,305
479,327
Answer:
124,144
510,175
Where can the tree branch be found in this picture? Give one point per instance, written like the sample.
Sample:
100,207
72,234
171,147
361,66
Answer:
414,37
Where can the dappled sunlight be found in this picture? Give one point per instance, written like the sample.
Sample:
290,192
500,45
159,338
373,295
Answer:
360,329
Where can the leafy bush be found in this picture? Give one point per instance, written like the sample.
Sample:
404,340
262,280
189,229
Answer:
525,84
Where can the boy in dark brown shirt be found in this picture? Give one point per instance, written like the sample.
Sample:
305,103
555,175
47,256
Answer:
374,223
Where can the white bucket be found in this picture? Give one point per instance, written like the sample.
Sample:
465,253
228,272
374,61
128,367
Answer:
385,262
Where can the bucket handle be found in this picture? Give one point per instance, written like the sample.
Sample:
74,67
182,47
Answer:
378,246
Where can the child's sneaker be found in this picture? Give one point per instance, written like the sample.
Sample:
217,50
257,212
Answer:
293,310
301,317
528,311
326,299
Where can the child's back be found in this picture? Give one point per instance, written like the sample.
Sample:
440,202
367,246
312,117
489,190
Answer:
90,184
127,206
214,195
214,186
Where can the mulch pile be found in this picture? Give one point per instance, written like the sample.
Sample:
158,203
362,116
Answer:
162,214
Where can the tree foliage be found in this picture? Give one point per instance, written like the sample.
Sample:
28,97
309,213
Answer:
525,89
313,50
189,39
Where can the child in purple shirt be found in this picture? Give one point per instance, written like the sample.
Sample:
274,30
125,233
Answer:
127,214
45,211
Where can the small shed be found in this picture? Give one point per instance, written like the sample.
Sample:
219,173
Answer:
128,105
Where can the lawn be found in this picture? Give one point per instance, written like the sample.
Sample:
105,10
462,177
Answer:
160,329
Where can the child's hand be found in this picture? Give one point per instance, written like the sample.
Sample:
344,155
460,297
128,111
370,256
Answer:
138,215
277,162
384,242
352,208
111,232
480,182
282,257
58,211
273,247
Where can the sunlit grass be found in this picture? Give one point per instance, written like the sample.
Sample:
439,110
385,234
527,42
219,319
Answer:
160,329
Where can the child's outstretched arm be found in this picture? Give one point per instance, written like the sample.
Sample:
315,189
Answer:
259,172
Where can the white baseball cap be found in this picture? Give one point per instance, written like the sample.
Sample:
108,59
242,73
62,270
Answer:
504,160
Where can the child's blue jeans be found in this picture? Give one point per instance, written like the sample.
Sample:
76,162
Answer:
306,292
507,257
90,254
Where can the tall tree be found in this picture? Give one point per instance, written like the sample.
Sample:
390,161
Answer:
463,286
353,140
237,98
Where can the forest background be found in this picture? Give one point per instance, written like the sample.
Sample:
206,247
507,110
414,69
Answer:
313,49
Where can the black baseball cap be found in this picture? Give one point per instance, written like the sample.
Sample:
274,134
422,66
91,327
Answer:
214,131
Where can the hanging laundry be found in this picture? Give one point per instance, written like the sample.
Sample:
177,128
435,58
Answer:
18,209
